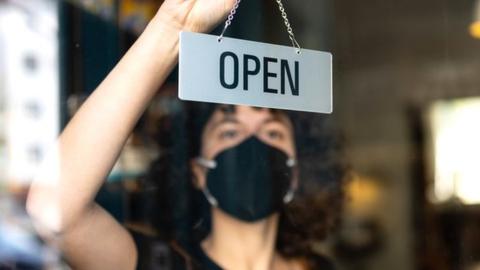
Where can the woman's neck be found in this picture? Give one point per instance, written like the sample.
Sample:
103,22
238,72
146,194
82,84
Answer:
234,244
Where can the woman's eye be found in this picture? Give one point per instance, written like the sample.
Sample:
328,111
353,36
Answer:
228,134
276,135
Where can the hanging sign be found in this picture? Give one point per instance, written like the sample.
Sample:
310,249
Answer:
243,72
233,71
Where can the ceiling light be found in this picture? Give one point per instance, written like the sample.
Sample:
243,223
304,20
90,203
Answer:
475,26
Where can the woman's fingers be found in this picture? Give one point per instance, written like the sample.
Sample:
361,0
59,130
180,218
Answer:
178,1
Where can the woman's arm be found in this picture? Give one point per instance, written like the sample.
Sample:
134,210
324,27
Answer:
61,199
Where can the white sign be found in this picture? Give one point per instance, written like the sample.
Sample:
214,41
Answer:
242,72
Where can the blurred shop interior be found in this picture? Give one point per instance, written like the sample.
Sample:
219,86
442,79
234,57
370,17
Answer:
406,103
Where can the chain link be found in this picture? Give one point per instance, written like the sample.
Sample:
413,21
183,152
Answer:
229,19
291,35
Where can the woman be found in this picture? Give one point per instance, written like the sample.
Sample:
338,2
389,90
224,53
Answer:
251,184
61,199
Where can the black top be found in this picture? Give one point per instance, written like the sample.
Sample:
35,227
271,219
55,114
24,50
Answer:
204,260
155,254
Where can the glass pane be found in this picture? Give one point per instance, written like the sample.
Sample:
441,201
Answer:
102,166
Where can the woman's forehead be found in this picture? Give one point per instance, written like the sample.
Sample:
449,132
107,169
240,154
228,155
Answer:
241,113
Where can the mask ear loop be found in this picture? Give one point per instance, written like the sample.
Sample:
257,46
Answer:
289,196
206,163
209,165
291,162
211,200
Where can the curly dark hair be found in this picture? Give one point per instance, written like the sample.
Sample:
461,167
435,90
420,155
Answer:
185,213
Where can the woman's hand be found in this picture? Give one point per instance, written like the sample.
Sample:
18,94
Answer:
194,15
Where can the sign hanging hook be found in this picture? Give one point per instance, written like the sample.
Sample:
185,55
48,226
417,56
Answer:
291,35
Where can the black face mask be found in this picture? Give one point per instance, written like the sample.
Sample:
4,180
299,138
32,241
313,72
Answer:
249,181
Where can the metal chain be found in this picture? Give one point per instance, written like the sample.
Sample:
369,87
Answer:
289,27
291,35
229,19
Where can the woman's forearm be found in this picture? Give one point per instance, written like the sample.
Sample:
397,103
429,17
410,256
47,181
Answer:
93,139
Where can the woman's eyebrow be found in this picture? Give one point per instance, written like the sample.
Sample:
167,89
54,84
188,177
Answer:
227,120
276,120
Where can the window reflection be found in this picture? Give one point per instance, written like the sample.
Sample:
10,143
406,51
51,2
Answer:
390,58
455,135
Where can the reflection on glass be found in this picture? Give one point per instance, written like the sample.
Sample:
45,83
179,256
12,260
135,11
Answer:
29,123
29,53
475,26
456,133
